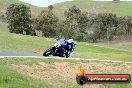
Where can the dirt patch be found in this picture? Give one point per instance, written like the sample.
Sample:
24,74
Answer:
64,73
44,70
75,55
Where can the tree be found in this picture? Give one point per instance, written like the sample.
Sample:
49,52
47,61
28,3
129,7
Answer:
74,10
18,16
50,7
66,32
82,21
116,0
107,23
47,23
125,25
71,17
70,24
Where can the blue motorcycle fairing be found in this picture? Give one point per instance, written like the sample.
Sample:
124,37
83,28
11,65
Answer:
59,49
62,46
62,42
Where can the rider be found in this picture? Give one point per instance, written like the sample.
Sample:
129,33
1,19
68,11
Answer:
71,45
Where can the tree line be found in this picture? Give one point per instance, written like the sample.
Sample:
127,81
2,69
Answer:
81,26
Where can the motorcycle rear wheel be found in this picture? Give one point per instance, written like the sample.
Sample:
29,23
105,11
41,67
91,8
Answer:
67,54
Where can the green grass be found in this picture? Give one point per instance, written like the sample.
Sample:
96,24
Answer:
118,86
3,27
25,44
10,78
121,9
120,45
90,51
31,61
33,44
10,42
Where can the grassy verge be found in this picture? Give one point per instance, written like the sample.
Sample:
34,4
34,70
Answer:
122,45
10,42
3,27
10,78
33,44
24,44
91,51
120,9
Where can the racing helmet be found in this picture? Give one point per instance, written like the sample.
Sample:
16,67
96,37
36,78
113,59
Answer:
70,41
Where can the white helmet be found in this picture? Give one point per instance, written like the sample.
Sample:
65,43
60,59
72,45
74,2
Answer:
70,40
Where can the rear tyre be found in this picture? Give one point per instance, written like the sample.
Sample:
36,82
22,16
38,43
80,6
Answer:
67,54
47,52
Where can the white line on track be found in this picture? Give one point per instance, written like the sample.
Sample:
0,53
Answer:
52,57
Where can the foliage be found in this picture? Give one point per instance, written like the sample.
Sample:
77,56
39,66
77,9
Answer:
50,7
125,25
107,24
65,32
83,22
81,26
74,10
18,16
47,23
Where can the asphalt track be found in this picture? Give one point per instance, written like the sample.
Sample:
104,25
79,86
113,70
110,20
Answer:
21,55
15,54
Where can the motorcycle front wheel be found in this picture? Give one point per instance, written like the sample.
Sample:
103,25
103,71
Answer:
47,52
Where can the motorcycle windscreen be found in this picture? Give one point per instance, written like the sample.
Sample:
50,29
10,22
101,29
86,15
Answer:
61,41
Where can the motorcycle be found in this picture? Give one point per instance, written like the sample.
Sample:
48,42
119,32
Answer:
57,50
